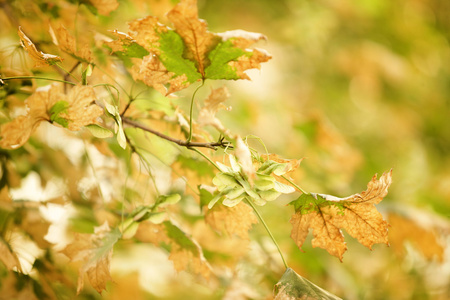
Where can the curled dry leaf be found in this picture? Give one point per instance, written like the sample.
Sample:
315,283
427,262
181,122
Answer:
73,111
95,252
188,53
326,215
232,220
39,57
67,43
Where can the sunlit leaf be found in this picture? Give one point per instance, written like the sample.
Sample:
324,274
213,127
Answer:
326,215
39,57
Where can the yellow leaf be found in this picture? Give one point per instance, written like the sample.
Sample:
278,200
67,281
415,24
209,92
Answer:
95,252
67,43
81,111
326,215
105,7
405,229
232,220
39,57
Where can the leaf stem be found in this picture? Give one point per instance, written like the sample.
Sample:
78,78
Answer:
268,231
295,185
36,77
188,141
205,157
69,73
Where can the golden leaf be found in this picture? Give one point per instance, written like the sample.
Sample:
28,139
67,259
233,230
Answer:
422,238
194,32
105,7
326,215
232,220
67,43
39,57
81,111
95,252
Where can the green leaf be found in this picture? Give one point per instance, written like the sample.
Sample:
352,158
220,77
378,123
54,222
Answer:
165,200
172,48
220,56
308,203
58,108
205,195
180,238
99,132
293,286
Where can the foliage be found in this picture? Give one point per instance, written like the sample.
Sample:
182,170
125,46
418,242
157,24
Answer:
118,167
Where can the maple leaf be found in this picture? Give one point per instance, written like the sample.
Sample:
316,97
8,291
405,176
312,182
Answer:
40,58
67,43
231,220
188,53
95,252
72,111
326,215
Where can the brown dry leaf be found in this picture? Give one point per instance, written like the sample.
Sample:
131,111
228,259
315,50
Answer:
39,57
194,32
37,227
232,220
105,7
326,215
81,111
8,257
214,102
424,239
292,164
67,43
95,252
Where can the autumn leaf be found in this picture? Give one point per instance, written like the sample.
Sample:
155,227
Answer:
292,286
326,215
185,253
104,7
72,111
8,257
39,57
423,238
67,43
95,252
188,53
207,115
236,220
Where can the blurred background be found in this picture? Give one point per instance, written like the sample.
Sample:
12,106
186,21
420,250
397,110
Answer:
356,87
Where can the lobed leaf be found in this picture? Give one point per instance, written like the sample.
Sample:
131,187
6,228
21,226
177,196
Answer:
326,215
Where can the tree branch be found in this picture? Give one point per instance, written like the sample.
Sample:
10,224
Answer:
187,144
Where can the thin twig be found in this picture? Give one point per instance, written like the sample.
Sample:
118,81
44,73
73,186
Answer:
183,143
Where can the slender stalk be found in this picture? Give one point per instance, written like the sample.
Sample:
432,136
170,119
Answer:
69,73
205,157
268,231
295,185
183,143
36,77
188,141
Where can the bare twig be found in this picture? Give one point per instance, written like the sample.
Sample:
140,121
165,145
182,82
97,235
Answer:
188,144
